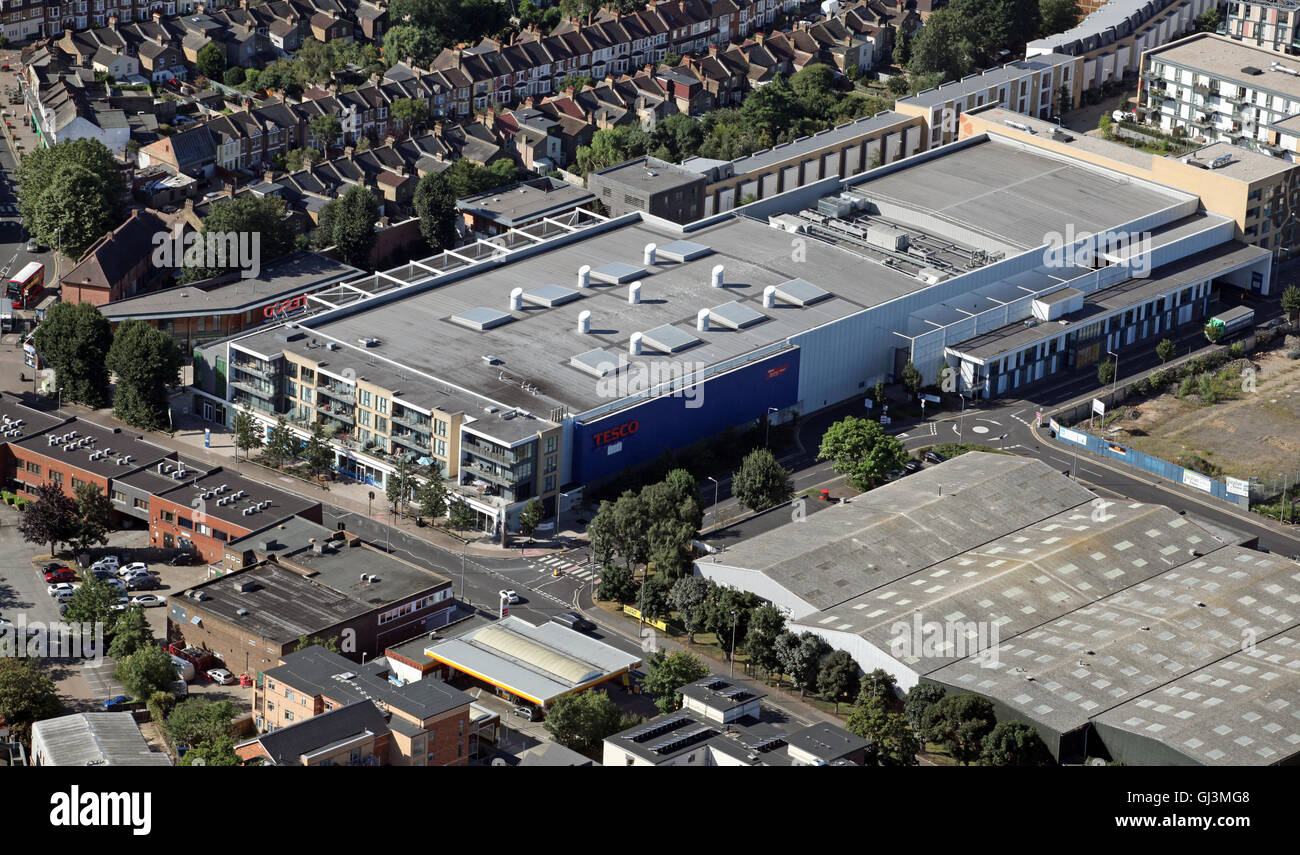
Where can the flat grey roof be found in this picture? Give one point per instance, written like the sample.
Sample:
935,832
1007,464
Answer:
1211,262
482,318
669,339
647,175
92,439
1058,296
1018,196
1181,630
683,250
206,494
736,315
829,138
525,202
1224,58
15,415
974,83
617,272
1245,165
94,739
551,295
320,672
296,273
904,526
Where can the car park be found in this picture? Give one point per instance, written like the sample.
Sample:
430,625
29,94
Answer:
109,561
63,574
133,567
143,583
61,588
101,573
148,601
181,559
574,621
221,676
508,595
134,574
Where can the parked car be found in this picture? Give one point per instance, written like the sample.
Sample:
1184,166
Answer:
509,596
574,621
221,676
63,574
134,574
133,567
101,573
527,712
181,559
934,457
913,466
51,565
143,583
114,701
33,246
894,475
61,587
148,601
109,561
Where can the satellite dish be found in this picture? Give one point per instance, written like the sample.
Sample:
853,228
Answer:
499,761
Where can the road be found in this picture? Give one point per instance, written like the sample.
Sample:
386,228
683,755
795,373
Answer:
13,236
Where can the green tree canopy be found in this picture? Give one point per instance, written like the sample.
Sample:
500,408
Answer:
800,656
761,481
70,194
1058,15
617,585
317,454
435,205
961,722
75,339
348,224
838,678
248,433
405,43
1165,350
921,699
1014,743
668,672
211,61
246,215
581,721
197,720
149,669
1291,302
282,444
860,449
93,511
27,695
892,741
131,631
51,518
146,361
530,517
688,596
766,625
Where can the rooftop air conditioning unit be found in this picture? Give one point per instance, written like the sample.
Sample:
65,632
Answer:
334,345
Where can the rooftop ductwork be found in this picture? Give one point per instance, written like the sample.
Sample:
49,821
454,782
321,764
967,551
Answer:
634,293
584,276
634,344
648,257
584,322
718,273
517,299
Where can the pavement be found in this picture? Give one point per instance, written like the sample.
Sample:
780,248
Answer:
18,137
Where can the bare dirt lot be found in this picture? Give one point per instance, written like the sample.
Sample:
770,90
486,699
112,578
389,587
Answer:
1256,434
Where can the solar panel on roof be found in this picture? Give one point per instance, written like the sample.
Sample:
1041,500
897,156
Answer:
596,362
551,295
482,318
617,272
659,729
686,740
801,293
736,315
669,339
683,250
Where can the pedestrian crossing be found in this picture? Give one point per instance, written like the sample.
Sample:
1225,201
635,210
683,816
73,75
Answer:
572,568
8,209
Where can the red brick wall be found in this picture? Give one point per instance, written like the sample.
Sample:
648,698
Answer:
209,547
50,465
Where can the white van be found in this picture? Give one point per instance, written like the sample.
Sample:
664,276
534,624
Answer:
184,668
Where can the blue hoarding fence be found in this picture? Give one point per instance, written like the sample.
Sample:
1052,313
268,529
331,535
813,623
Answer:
1078,440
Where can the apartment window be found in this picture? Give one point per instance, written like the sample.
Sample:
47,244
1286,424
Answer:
34,468
306,395
381,404
168,516
119,496
551,464
288,715
440,447
185,522
439,427
551,444
381,424
549,484
57,478
363,397
270,685
363,417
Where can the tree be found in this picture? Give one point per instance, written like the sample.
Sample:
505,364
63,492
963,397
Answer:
800,657
234,77
317,453
766,624
51,518
898,87
1291,302
943,46
348,224
761,481
249,214
325,130
1165,350
147,670
398,486
282,445
621,527
331,644
210,62
652,597
160,705
617,585
1105,371
218,752
1014,743
131,631
196,721
726,615
405,43
1106,125
409,111
1064,100
530,517
1209,20
861,449
460,515
248,433
27,695
892,741
435,205
431,496
302,158
581,721
75,339
919,706
961,722
688,596
668,672
92,512
146,361
93,604
912,379
1058,15
838,677
903,49
70,194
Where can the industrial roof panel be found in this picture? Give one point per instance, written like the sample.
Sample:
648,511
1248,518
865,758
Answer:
482,318
801,292
598,362
683,250
736,315
669,339
551,295
617,272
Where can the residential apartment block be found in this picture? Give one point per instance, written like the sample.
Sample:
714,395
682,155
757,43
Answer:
1270,24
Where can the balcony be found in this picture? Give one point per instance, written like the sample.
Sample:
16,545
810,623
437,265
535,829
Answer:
412,420
414,441
338,391
257,369
262,405
252,387
337,412
490,473
502,456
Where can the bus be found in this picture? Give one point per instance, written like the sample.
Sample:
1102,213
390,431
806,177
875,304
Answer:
25,285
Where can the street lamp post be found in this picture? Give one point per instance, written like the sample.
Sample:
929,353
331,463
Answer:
767,424
1282,514
1114,379
462,574
714,509
733,644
